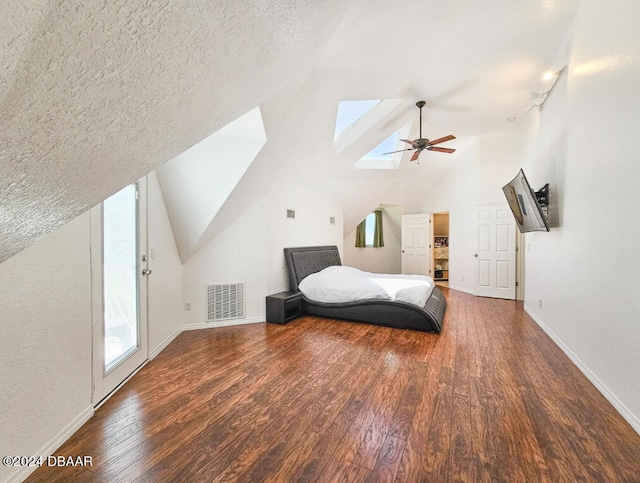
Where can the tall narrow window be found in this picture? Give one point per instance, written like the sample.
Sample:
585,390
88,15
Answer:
369,232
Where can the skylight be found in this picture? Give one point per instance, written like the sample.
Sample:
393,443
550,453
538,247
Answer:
377,159
385,146
349,112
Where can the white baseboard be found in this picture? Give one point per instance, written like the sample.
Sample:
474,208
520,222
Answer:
223,323
164,344
49,448
460,289
203,325
624,411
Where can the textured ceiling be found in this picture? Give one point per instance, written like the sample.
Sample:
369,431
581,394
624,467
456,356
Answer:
96,94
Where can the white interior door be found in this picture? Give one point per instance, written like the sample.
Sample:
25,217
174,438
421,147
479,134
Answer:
496,254
119,288
415,244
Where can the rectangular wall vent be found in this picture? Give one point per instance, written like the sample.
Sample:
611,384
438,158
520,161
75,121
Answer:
291,214
225,301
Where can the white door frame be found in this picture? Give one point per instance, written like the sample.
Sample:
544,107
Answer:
105,383
432,261
520,246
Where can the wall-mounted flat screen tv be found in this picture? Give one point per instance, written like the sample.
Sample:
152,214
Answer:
524,204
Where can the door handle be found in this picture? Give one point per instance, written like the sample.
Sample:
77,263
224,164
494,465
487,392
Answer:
146,271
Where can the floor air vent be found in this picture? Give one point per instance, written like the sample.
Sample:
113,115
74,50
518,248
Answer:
225,301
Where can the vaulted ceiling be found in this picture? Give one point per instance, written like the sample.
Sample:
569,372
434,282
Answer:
95,95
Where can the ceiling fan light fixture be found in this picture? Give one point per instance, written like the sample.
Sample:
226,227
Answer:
422,144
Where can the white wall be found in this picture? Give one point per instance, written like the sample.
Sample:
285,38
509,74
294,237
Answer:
585,271
46,342
500,158
385,259
251,249
310,227
239,254
45,347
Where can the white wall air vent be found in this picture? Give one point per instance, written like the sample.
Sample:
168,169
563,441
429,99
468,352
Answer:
225,301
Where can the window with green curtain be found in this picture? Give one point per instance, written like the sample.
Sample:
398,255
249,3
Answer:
361,238
378,240
369,232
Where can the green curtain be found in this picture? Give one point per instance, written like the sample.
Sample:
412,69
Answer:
378,240
361,241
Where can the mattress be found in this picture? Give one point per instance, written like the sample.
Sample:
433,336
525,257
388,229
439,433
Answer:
340,284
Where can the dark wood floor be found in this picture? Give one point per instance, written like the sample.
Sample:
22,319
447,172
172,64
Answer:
490,399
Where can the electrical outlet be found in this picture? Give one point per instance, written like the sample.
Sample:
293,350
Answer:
187,306
463,278
540,303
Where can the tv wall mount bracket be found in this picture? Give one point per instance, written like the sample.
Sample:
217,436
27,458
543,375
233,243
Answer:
542,195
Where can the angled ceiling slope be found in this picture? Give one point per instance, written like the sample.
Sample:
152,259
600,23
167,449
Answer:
196,183
95,95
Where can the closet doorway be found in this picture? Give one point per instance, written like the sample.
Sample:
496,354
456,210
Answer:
440,244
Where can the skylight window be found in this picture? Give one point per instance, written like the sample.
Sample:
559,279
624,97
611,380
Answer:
378,158
382,150
349,112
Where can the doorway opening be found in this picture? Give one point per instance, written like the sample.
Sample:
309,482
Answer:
440,244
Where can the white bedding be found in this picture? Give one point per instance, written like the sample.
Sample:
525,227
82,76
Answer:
339,284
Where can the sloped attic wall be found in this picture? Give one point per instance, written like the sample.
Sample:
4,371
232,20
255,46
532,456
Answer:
197,182
95,95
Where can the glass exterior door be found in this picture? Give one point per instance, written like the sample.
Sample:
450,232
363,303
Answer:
120,276
119,288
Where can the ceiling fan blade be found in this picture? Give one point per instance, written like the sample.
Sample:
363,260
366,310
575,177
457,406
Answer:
399,151
441,150
441,140
415,155
409,142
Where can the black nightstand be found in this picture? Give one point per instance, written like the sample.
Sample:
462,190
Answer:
283,307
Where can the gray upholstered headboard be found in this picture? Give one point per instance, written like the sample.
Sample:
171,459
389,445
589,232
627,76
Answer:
303,261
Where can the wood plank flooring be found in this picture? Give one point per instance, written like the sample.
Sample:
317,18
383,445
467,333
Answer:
490,399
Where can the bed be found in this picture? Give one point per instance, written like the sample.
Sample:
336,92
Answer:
304,261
